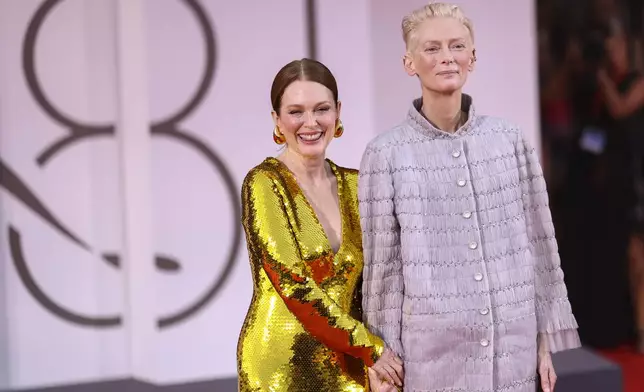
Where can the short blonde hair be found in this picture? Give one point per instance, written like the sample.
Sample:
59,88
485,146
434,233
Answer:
415,18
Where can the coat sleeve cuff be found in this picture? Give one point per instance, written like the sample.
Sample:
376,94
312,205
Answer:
562,340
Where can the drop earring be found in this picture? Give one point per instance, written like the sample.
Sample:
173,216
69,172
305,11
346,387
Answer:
278,137
339,129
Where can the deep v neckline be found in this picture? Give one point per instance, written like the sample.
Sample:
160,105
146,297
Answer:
318,223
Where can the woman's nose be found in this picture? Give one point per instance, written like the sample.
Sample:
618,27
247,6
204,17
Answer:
447,58
310,120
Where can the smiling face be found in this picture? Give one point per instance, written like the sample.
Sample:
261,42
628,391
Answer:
441,53
307,118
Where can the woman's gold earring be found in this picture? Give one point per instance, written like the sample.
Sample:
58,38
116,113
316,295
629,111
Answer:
339,129
278,137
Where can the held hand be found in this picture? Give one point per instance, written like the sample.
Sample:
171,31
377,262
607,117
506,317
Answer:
390,368
377,384
546,372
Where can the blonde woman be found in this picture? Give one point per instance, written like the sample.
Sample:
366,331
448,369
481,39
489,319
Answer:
462,277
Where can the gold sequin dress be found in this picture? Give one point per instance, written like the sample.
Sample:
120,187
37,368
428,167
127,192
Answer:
303,331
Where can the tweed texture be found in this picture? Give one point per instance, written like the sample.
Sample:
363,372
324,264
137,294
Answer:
461,263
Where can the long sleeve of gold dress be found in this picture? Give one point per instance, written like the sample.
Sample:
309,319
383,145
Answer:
303,330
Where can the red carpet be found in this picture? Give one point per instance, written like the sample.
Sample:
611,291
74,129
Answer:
632,365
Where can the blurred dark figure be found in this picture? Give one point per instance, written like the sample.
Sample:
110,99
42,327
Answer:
602,194
623,92
562,64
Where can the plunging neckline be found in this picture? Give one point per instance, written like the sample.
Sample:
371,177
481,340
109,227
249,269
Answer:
338,180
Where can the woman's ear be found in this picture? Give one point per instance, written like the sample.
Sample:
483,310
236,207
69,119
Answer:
472,60
275,118
408,64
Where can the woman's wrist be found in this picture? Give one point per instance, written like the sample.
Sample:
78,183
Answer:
542,345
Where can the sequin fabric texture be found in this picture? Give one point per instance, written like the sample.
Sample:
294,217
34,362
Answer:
303,331
461,265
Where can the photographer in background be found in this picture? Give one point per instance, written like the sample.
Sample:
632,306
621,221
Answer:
622,92
591,69
599,196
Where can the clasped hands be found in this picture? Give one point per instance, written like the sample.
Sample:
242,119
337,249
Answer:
387,373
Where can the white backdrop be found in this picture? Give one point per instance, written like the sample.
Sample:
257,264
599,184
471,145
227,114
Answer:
145,195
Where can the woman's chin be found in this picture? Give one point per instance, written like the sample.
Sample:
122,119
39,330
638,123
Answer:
450,88
312,150
447,87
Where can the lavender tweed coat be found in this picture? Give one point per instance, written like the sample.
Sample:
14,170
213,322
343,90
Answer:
461,264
